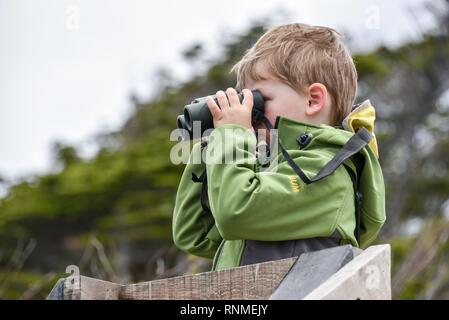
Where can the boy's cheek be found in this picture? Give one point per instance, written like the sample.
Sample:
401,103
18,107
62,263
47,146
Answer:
271,117
271,113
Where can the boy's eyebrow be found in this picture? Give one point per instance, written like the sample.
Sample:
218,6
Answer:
258,77
262,77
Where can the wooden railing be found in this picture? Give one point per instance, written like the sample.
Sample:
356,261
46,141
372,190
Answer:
336,273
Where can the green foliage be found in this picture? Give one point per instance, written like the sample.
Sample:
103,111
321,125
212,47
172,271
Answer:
370,65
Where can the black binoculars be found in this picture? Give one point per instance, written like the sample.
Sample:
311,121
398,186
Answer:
198,110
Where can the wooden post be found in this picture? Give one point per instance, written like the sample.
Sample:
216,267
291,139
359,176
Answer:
368,276
326,274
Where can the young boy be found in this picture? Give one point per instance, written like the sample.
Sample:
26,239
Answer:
312,197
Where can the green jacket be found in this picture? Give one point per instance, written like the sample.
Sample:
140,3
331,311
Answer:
247,204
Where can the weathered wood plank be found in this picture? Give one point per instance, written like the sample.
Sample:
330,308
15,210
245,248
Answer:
367,276
254,282
84,288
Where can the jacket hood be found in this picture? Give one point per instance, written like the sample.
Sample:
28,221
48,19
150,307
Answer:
362,115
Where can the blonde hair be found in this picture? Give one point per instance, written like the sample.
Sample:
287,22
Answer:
299,55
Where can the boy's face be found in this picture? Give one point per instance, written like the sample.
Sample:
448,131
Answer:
282,100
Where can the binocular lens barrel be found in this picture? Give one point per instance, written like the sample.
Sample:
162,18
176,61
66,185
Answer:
198,110
181,121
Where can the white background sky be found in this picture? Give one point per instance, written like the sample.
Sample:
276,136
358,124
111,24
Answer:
67,67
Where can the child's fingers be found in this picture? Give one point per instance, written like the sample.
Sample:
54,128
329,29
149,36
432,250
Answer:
233,97
222,100
214,109
247,98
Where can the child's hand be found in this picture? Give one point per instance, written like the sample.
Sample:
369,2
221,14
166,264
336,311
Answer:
232,111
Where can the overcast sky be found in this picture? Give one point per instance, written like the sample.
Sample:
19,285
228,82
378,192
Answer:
67,67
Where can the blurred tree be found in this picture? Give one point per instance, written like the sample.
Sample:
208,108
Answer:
193,53
65,155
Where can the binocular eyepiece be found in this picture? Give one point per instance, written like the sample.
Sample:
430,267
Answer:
198,110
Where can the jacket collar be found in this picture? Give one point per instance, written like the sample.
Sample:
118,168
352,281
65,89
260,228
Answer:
290,130
362,115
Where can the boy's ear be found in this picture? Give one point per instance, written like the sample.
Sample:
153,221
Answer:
317,98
